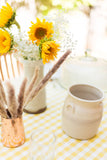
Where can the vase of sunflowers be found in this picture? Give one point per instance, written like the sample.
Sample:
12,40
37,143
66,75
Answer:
34,50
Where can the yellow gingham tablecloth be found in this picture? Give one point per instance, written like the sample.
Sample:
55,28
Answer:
66,147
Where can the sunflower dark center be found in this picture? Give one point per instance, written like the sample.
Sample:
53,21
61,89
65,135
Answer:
50,50
40,32
2,40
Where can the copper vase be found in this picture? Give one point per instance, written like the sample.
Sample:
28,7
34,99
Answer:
12,132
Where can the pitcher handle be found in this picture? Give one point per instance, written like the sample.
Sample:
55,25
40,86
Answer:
70,107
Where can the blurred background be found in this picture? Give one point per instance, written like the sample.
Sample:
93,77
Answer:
87,20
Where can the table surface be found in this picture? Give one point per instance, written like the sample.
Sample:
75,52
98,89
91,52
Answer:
66,148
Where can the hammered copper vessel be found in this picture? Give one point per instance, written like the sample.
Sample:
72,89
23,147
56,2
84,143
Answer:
12,132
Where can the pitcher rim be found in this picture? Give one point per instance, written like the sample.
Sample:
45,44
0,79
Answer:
85,100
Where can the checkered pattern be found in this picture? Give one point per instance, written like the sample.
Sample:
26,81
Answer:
66,147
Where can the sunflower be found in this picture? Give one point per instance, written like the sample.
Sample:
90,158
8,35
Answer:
40,30
49,51
7,17
5,42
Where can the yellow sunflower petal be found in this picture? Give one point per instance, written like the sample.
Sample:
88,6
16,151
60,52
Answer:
38,20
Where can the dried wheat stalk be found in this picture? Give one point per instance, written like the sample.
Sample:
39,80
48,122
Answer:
3,111
1,98
43,82
12,102
21,97
3,93
32,83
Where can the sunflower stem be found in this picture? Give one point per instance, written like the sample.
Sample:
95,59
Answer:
17,24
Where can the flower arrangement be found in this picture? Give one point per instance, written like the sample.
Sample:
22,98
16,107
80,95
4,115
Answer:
36,45
39,43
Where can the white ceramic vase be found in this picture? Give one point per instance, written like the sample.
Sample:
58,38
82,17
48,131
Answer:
38,104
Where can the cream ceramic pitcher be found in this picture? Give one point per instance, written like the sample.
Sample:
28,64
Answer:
82,111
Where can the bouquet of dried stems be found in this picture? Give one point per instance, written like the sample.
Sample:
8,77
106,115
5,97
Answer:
12,107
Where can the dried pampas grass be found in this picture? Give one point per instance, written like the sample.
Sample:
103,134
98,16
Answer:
1,99
12,107
3,93
11,100
3,111
32,83
21,97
